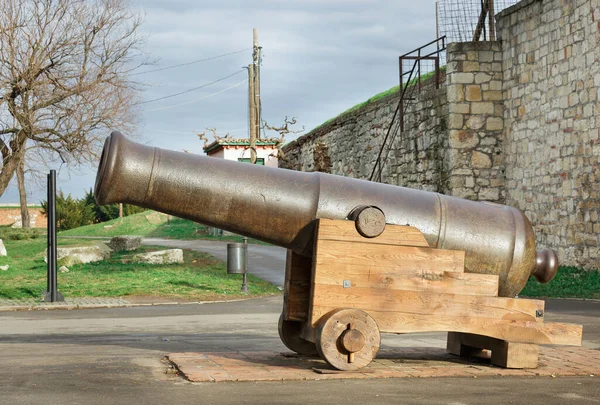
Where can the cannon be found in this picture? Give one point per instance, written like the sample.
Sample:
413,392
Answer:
363,257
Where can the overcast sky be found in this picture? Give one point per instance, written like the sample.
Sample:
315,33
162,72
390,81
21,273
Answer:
320,58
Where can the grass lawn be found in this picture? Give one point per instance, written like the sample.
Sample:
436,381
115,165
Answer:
201,277
150,224
381,95
570,282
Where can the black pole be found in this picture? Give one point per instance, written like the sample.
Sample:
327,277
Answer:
49,238
52,294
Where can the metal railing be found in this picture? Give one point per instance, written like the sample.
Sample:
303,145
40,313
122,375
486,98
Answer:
411,80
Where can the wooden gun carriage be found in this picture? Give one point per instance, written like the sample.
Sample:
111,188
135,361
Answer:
355,267
338,301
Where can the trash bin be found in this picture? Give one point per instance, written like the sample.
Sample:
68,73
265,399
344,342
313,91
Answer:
237,258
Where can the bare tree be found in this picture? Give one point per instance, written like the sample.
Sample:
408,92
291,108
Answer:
25,221
283,130
64,83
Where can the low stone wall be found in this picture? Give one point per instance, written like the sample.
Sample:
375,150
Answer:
12,216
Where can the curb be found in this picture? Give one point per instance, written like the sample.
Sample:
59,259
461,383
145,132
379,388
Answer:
69,307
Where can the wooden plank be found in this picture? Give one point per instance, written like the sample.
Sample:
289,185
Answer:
515,355
328,297
297,287
334,253
513,331
456,346
504,354
344,230
402,278
298,302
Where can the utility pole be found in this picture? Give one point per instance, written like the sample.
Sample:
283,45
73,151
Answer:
254,96
252,111
492,20
256,60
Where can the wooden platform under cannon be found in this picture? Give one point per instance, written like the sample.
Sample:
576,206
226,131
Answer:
403,285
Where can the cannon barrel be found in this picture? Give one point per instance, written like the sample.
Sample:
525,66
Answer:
279,206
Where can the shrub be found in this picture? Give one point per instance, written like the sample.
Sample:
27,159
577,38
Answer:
70,212
107,212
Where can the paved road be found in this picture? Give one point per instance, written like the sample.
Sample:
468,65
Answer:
265,262
113,356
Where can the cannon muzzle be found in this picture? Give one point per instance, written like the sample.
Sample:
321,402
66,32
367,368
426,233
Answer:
279,206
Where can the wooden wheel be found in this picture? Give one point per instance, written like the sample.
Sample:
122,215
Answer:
347,339
289,332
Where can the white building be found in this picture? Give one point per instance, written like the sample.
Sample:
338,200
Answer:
239,149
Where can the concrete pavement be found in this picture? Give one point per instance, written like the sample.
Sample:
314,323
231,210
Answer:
114,356
264,261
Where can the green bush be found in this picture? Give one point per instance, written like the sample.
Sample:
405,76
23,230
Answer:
73,213
107,212
70,212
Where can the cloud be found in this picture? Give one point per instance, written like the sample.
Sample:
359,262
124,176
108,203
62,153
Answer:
320,57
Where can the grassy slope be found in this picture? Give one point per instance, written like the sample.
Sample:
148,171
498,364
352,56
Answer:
201,277
149,224
570,282
138,224
379,96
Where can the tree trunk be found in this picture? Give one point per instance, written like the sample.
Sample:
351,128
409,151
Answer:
23,196
12,161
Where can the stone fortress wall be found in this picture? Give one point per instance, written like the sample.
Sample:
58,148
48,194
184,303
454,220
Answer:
516,121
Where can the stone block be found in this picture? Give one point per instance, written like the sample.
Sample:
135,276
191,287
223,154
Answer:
480,160
486,56
461,139
475,122
489,194
492,95
460,108
2,248
169,256
461,78
81,254
455,121
496,85
482,78
128,243
467,193
470,66
455,93
473,93
494,124
482,108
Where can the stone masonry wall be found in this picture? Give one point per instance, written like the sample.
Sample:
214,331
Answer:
475,123
353,141
517,122
552,113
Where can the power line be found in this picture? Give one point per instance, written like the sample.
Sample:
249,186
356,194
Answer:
190,90
190,63
192,131
199,99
